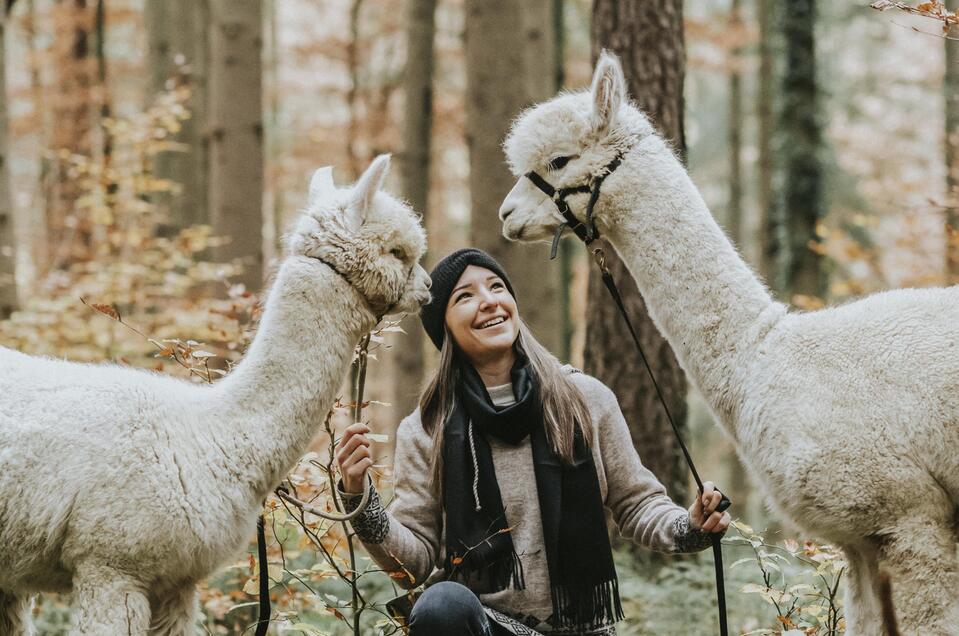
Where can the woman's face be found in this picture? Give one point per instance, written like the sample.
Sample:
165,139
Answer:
481,315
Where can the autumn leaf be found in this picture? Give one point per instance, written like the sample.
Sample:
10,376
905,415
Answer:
106,310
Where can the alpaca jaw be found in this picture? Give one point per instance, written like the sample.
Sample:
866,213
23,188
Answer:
416,294
528,215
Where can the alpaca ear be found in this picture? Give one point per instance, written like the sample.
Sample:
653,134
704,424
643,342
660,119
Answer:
365,189
608,90
321,184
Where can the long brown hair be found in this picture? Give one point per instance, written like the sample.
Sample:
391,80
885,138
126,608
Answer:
564,408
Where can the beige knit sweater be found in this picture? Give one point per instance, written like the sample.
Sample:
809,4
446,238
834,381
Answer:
408,537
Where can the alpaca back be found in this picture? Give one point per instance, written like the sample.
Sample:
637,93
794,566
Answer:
871,387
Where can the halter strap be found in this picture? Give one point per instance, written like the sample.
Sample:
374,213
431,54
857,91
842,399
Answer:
585,230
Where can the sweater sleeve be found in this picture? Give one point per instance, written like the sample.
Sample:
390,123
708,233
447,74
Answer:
638,501
404,539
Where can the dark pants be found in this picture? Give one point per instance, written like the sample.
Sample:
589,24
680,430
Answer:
449,609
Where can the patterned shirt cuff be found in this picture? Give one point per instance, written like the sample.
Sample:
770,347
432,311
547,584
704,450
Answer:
371,525
689,539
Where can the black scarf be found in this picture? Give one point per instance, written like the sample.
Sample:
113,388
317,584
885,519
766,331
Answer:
479,547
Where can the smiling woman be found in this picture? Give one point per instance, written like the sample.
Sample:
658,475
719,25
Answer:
505,477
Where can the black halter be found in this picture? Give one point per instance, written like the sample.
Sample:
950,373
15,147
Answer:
586,231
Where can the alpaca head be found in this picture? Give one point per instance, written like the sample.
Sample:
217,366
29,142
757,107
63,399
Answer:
372,239
568,141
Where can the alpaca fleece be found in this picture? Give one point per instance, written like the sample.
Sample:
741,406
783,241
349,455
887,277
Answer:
128,487
847,417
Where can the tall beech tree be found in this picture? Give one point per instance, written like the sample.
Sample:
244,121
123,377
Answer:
178,55
799,151
647,35
415,172
509,66
236,132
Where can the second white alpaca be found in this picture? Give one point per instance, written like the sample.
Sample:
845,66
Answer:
128,487
848,417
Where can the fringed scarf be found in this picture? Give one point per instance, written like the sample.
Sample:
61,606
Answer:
479,547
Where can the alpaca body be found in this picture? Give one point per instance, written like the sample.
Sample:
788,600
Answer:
847,417
127,487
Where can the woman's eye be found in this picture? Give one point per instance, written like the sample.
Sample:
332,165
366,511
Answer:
558,163
497,286
462,296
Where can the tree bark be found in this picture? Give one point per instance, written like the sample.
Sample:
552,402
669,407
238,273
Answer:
236,127
74,113
799,149
647,35
509,48
768,241
8,284
950,87
178,56
415,173
734,212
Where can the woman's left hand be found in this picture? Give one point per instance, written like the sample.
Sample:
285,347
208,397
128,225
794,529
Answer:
703,515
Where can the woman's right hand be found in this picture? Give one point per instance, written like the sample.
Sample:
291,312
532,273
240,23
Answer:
353,457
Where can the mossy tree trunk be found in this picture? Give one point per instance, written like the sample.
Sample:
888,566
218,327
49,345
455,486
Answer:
647,35
799,132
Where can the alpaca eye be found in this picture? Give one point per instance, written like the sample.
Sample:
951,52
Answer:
398,253
558,163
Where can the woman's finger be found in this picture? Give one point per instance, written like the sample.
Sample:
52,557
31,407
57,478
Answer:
707,493
712,523
714,500
351,445
357,428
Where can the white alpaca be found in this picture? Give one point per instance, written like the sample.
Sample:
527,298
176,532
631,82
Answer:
848,416
128,487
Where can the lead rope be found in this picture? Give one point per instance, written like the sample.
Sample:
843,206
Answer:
587,233
724,503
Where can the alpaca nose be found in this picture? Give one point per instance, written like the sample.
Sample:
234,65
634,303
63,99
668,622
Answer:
429,283
505,211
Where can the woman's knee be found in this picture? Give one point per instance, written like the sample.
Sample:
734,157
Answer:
448,608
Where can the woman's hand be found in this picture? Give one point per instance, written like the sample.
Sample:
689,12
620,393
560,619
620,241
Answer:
703,515
353,457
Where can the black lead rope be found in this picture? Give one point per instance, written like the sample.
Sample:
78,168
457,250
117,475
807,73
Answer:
587,233
263,612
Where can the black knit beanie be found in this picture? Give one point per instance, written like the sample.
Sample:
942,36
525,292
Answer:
444,277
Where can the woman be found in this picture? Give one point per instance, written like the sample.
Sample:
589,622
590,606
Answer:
505,477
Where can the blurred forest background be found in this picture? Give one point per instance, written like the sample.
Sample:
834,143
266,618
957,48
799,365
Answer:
152,152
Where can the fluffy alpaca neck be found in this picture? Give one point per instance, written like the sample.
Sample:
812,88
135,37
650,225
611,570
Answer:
699,292
276,399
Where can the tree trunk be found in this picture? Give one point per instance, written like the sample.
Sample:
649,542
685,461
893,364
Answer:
647,35
768,242
415,172
950,87
236,127
74,113
509,48
800,137
8,283
569,247
734,212
177,49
